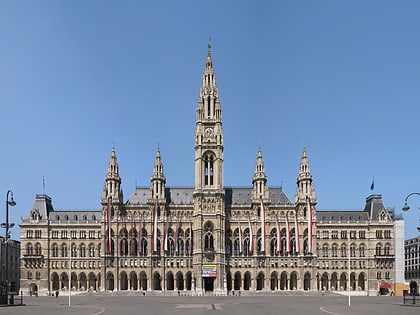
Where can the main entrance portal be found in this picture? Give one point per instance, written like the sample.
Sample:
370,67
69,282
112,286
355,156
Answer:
208,284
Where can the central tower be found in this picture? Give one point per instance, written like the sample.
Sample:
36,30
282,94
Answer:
209,195
209,134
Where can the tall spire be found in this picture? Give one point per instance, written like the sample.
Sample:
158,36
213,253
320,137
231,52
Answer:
208,132
158,180
112,187
259,180
304,180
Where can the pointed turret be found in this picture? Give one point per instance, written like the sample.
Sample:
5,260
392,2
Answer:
112,187
158,180
259,180
305,187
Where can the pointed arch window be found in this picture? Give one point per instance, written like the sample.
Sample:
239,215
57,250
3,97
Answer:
208,169
208,236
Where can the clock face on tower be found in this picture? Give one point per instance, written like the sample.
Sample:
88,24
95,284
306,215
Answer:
208,132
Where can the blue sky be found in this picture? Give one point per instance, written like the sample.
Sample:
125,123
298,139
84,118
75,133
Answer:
338,77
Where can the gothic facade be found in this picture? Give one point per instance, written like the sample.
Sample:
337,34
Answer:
209,237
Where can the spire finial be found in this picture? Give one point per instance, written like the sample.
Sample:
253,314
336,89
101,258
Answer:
209,48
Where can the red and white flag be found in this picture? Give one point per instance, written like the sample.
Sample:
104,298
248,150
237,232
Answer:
165,238
279,240
155,228
140,234
262,226
297,236
251,236
287,235
309,209
240,234
176,233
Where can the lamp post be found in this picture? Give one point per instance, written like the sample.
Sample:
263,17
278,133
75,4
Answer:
6,225
407,207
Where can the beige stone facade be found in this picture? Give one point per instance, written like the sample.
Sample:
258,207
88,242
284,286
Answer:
208,238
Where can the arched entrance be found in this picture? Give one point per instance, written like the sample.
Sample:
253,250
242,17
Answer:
73,281
237,281
334,281
180,281
324,281
64,281
157,284
92,282
123,281
307,281
273,281
343,281
189,280
55,282
293,281
143,281
170,283
353,281
109,282
362,280
260,281
208,284
283,281
82,281
229,281
133,281
247,281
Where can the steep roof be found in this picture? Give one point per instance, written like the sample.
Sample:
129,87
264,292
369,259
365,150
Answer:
184,195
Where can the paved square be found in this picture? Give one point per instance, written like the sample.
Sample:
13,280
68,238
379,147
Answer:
305,304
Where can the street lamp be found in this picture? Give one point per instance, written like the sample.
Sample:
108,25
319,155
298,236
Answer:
407,207
12,203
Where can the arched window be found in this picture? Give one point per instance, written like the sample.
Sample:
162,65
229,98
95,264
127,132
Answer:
208,236
29,249
91,250
343,250
208,169
352,250
55,250
38,249
362,250
82,250
64,252
334,250
386,249
73,250
378,249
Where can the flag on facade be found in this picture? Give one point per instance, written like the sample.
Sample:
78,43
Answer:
240,234
262,226
372,186
287,235
140,234
191,238
297,234
165,238
155,228
176,233
279,240
251,236
309,209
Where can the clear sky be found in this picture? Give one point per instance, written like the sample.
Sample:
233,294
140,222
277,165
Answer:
340,78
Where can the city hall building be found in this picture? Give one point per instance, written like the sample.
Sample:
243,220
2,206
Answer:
208,238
